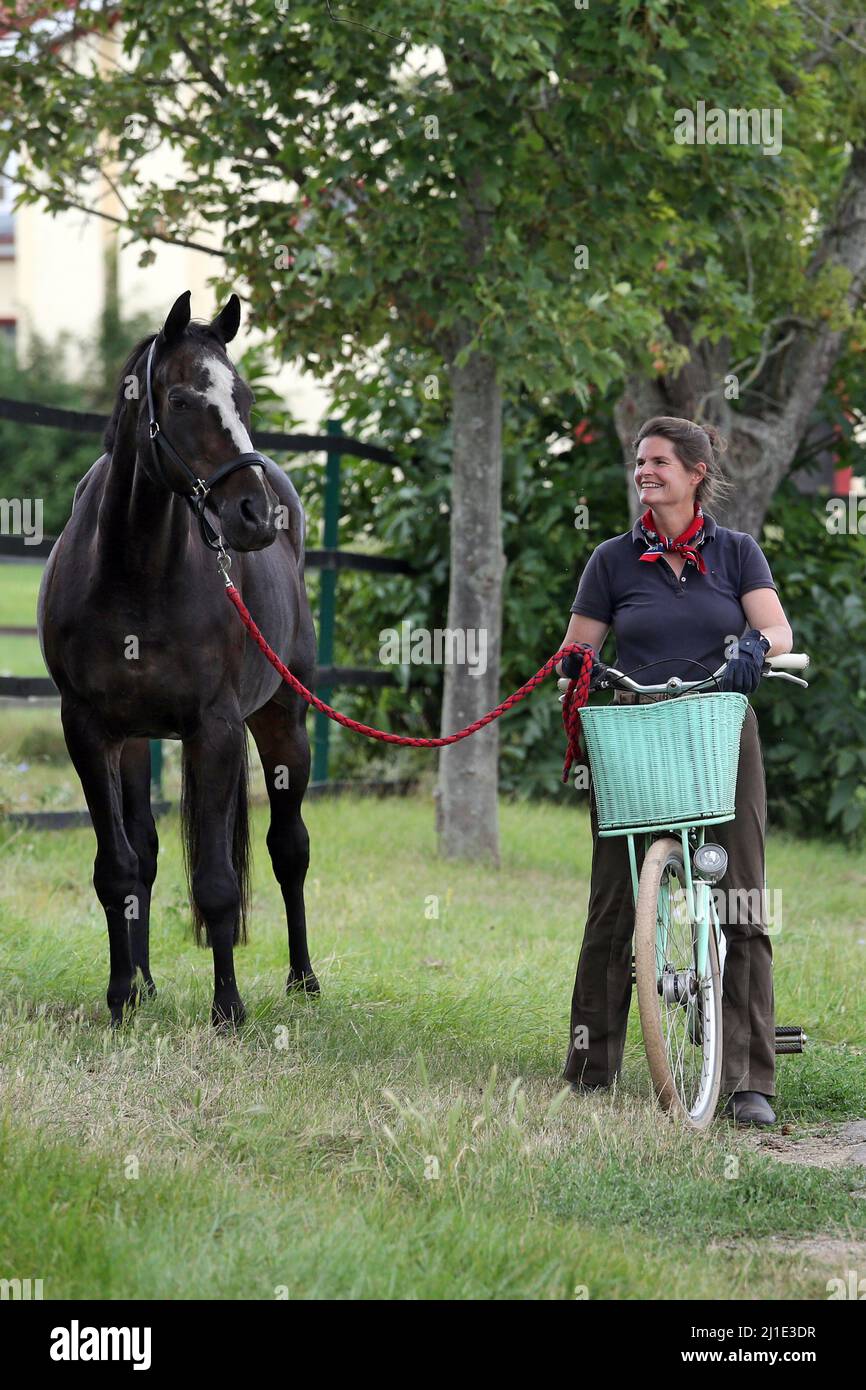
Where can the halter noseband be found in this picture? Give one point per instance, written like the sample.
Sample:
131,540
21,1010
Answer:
201,488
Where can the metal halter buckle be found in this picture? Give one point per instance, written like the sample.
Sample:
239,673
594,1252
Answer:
224,561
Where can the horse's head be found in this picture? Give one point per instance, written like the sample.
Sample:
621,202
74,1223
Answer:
202,406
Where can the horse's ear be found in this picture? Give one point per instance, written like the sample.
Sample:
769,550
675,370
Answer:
178,318
228,320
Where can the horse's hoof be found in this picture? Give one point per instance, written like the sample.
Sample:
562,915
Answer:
228,1014
302,984
122,1004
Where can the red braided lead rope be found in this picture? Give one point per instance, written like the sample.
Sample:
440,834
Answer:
576,696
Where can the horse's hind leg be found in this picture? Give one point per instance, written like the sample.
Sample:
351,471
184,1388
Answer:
115,870
284,748
141,832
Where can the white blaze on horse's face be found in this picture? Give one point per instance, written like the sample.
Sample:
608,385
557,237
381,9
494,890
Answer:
220,394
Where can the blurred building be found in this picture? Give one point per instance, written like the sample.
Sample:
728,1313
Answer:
55,274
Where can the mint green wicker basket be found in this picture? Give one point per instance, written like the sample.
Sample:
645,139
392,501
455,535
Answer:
673,762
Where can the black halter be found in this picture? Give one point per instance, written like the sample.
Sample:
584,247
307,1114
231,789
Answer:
201,489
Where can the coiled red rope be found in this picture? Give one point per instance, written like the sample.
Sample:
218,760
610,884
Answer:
576,695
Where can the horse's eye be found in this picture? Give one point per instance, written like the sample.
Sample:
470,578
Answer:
178,402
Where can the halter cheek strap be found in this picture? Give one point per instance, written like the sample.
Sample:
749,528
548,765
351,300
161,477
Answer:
200,488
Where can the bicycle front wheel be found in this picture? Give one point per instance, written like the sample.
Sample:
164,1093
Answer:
680,1010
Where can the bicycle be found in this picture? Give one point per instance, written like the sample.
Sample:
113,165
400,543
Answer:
666,770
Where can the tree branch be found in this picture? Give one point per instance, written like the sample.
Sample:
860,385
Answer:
67,204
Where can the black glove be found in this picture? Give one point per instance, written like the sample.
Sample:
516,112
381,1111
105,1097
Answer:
572,665
743,672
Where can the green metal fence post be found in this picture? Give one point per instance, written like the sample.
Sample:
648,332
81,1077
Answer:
328,603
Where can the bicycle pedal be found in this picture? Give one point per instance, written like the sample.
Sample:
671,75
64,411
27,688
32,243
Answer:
790,1038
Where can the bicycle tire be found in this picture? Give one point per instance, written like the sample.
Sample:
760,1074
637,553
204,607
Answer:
702,1009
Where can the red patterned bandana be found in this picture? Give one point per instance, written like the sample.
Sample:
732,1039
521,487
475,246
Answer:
686,544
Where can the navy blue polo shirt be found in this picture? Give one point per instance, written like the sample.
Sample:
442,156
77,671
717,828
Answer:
671,622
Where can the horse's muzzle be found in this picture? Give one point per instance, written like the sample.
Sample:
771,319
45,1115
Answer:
248,522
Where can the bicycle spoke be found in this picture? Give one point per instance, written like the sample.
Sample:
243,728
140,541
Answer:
681,1021
679,1009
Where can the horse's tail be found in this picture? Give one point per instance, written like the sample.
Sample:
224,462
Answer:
190,809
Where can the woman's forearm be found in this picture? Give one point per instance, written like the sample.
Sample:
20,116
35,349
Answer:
780,638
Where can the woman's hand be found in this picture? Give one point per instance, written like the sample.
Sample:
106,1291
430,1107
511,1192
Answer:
580,629
572,666
743,670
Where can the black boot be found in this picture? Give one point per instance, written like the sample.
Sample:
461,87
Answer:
750,1108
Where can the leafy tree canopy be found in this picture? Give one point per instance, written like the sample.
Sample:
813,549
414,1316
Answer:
352,155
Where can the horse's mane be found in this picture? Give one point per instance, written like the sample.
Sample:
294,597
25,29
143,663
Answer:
200,331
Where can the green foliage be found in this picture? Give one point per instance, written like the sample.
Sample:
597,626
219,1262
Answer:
40,462
352,163
556,457
815,741
44,462
405,511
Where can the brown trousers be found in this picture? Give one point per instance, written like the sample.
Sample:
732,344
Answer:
602,989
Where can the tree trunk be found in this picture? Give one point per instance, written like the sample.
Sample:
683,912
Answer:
467,819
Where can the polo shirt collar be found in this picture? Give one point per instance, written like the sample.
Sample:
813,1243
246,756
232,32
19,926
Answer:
709,529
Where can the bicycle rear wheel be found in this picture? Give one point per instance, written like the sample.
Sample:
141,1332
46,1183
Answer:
680,1012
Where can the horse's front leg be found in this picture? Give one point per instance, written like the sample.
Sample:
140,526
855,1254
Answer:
216,834
96,758
141,832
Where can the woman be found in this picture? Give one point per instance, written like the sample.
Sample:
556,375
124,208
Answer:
678,590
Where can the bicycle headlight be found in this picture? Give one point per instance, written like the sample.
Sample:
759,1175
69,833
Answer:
711,862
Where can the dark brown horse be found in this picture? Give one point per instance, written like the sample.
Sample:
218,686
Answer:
142,643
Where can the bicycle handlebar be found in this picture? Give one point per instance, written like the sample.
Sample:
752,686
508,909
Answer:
791,661
778,666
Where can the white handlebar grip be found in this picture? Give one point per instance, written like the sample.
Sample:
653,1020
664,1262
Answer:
794,661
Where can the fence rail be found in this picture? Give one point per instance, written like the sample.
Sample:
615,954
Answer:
43,687
88,422
80,819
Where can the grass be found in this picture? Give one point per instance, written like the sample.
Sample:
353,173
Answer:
20,656
19,587
300,1157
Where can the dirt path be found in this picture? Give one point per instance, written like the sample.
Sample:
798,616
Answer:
818,1146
